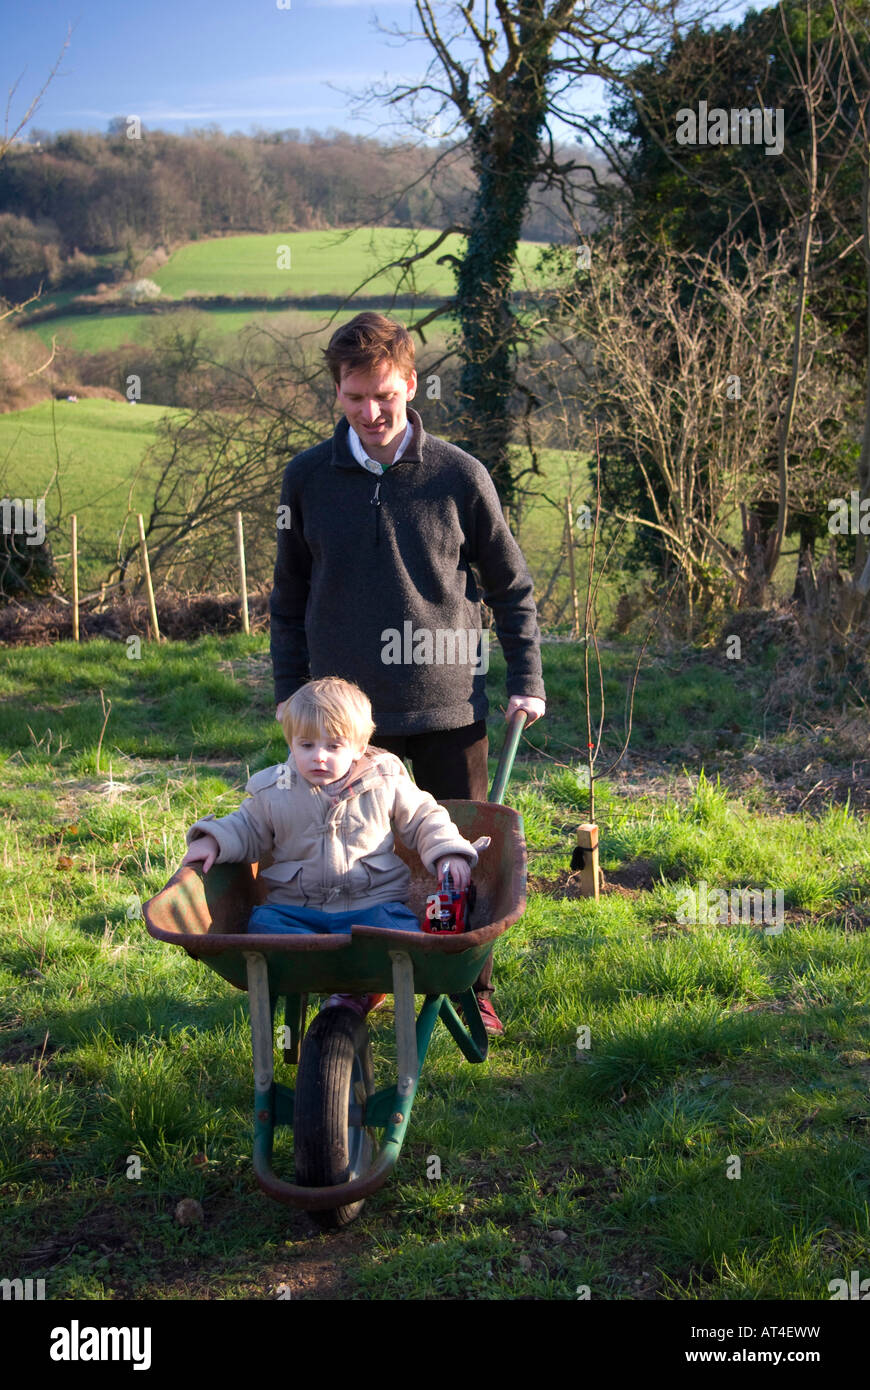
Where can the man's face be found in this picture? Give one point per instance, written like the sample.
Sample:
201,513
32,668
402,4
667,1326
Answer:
374,403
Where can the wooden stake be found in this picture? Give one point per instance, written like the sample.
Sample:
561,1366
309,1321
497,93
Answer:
75,576
155,629
575,603
240,543
587,843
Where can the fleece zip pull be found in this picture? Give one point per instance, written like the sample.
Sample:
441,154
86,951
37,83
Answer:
376,503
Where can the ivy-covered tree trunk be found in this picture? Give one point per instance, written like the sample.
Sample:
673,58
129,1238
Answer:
506,155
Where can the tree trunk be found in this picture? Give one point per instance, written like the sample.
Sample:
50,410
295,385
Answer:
505,152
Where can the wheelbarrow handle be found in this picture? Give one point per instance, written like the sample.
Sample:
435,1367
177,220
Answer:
508,753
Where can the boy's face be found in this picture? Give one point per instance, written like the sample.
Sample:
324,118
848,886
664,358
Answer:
375,405
324,759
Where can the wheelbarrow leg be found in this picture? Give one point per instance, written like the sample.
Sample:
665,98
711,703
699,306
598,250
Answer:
406,1024
295,1013
262,1008
412,1040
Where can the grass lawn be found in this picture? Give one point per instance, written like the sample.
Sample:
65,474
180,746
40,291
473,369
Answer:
710,1143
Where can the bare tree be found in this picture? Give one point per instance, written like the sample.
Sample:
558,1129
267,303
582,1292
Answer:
503,71
226,454
9,136
821,84
685,381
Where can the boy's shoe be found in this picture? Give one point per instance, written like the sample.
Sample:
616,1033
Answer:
361,1004
491,1021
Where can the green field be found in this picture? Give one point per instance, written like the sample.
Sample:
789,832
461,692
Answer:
100,445
322,263
97,332
609,1166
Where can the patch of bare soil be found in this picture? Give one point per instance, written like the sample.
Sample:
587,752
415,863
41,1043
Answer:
314,1267
37,1053
254,671
316,1272
805,769
637,877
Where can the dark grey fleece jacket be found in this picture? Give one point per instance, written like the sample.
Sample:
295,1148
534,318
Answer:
373,583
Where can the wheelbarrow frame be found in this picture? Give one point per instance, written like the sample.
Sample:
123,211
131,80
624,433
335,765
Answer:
190,907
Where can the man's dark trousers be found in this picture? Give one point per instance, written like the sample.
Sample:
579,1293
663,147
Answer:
448,763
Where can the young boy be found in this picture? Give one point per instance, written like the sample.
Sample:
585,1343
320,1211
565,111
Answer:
327,816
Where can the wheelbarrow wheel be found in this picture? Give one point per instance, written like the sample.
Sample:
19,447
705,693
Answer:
334,1080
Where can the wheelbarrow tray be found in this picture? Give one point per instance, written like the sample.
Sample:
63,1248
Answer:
207,916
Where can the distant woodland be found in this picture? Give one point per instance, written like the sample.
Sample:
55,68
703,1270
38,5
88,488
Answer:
71,198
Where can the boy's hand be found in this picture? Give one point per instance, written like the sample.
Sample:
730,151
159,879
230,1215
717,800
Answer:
204,848
460,870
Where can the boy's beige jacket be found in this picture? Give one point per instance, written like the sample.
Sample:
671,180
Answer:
333,849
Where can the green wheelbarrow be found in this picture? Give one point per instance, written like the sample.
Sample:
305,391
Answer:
347,1136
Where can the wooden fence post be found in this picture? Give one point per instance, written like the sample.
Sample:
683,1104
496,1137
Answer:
575,604
75,576
240,543
155,629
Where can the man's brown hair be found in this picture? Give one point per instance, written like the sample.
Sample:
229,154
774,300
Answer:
368,341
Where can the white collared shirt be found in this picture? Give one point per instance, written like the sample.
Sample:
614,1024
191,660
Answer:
358,450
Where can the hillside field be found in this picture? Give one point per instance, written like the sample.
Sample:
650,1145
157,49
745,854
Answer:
97,332
100,445
321,263
329,263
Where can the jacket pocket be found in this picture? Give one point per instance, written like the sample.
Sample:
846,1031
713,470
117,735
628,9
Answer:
289,873
284,871
386,870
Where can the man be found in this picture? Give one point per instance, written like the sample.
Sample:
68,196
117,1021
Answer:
378,530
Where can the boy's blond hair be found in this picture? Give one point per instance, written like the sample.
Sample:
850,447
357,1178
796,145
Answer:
330,708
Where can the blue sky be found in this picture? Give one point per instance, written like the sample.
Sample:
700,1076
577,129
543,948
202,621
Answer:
235,63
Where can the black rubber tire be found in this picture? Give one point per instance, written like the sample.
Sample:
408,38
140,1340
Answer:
335,1071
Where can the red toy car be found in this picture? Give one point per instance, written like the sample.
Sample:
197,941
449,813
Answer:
449,910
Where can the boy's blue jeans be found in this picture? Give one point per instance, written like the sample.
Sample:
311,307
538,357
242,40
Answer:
280,920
